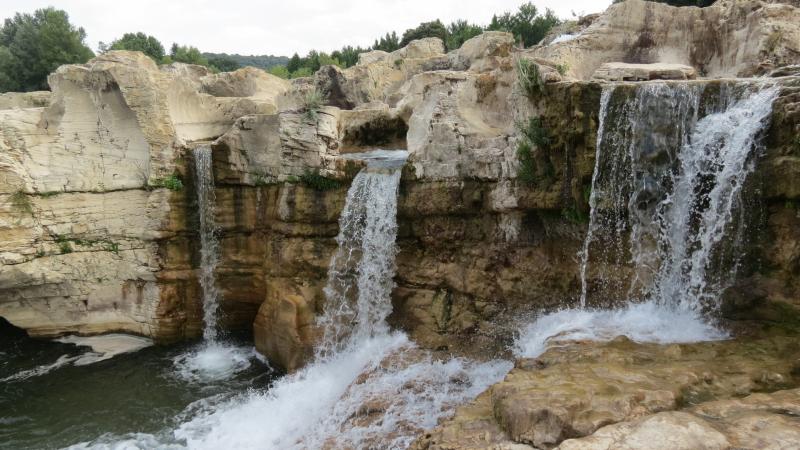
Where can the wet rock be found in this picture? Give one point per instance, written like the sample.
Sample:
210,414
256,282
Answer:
617,71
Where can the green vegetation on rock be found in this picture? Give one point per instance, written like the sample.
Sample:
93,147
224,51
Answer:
172,182
34,45
319,182
529,77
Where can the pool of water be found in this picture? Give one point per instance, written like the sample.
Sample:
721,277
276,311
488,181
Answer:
47,401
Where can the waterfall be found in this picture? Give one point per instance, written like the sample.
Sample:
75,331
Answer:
359,363
360,273
209,246
666,216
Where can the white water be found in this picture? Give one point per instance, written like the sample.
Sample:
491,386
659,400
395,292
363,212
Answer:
103,347
209,245
212,360
668,201
367,387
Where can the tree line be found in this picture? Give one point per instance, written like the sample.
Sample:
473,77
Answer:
34,45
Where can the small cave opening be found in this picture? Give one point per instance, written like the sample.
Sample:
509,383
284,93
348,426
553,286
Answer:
382,132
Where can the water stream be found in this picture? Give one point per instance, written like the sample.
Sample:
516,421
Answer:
666,221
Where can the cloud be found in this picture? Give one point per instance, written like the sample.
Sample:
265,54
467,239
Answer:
277,27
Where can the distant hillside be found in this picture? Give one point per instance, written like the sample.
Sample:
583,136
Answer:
261,61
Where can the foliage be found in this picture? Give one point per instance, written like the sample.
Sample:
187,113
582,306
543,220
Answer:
279,71
459,32
223,63
425,30
301,72
348,55
318,182
65,247
33,45
187,54
388,43
21,202
529,77
527,25
148,45
312,103
172,182
265,62
533,134
700,3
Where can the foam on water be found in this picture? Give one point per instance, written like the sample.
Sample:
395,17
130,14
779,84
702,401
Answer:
213,361
103,347
664,203
641,322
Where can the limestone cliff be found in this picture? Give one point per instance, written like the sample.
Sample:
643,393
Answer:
97,207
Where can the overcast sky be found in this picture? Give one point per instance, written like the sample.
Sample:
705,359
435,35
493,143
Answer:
275,27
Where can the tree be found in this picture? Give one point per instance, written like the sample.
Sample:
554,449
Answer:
388,43
223,63
187,54
294,63
33,45
348,55
424,30
148,45
279,71
459,32
527,25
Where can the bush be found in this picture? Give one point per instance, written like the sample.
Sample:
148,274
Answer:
21,202
141,42
533,134
187,54
279,71
33,45
172,182
425,30
312,103
318,182
529,77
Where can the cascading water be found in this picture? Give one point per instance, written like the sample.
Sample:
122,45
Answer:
209,246
213,360
663,227
368,387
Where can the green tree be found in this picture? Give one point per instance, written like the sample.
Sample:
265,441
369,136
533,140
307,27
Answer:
33,45
223,63
527,25
388,43
148,45
424,30
348,55
294,63
279,71
459,32
187,54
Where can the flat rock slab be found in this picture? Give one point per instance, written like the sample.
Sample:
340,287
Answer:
617,71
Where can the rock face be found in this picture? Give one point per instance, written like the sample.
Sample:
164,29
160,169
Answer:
728,39
644,72
93,242
625,395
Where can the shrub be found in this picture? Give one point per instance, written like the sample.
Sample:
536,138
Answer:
312,103
319,182
172,182
533,134
529,77
22,203
425,30
527,25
